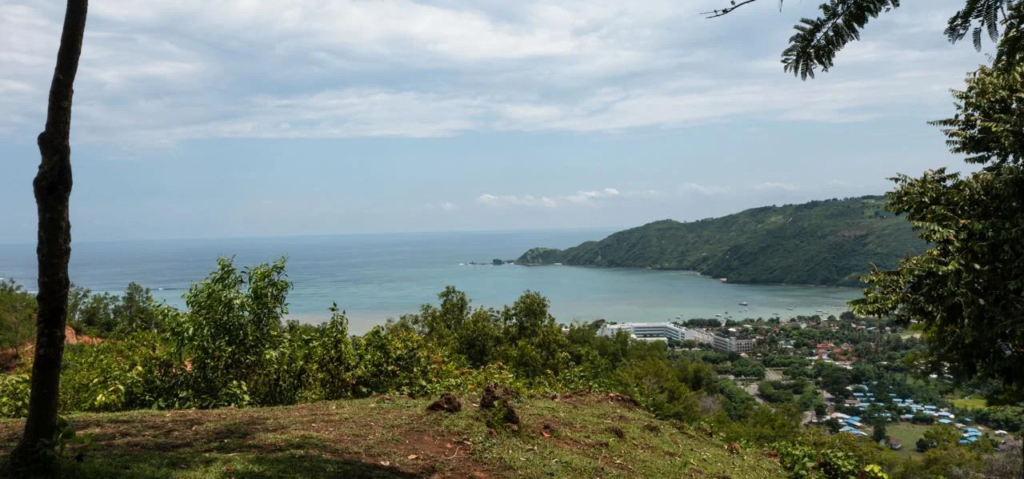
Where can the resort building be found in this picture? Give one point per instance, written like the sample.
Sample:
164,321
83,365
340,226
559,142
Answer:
653,331
732,344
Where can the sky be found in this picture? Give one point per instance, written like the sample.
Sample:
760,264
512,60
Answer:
234,118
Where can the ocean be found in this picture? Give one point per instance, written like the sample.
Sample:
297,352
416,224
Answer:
378,276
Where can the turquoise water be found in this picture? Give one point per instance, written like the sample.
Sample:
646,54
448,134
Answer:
375,277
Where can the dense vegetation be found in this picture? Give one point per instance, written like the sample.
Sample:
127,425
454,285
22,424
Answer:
832,242
17,315
231,348
966,289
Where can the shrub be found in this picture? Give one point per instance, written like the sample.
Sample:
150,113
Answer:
14,391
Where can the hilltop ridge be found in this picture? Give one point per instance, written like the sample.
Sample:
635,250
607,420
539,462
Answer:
587,435
828,243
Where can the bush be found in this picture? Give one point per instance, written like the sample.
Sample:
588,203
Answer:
14,391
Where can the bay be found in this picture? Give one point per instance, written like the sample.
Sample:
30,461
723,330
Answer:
378,276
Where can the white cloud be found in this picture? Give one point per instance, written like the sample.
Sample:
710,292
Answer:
444,205
497,201
588,197
769,185
703,189
580,198
165,71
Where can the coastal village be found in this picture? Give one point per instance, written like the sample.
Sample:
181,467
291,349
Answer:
842,343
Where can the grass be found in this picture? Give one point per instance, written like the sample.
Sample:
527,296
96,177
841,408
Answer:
908,434
397,438
975,403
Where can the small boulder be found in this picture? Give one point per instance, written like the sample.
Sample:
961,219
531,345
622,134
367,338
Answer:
510,417
446,403
490,397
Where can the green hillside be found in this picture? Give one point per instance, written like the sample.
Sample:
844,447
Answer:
831,242
395,437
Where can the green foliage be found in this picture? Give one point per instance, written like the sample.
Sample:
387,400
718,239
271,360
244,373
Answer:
109,316
17,315
1007,418
763,425
799,392
661,387
967,287
397,360
14,390
941,436
878,432
818,40
822,242
230,331
805,462
942,462
231,348
332,359
841,456
986,13
116,375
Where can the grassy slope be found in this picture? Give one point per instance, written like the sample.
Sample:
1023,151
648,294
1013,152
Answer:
397,438
821,242
974,403
909,434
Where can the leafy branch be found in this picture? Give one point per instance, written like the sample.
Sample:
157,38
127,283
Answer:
817,41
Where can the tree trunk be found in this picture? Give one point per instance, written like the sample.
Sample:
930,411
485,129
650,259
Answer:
52,187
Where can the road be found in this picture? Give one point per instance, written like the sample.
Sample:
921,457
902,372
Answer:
752,390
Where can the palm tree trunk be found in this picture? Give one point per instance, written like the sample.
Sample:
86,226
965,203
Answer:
52,187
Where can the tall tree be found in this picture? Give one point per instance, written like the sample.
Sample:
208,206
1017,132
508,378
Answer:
968,288
52,187
817,40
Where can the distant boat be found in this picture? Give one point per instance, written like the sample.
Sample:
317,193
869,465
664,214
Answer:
723,279
789,309
744,303
718,315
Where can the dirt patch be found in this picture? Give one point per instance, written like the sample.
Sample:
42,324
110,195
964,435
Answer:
12,358
623,400
447,403
9,359
510,416
617,431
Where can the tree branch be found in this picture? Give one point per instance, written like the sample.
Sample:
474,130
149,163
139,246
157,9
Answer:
727,10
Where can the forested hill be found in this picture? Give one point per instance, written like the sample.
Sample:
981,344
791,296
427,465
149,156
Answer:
831,242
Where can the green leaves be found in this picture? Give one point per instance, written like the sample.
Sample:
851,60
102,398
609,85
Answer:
966,289
982,15
817,41
14,391
989,125
233,322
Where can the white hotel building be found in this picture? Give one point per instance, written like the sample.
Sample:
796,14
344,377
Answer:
654,331
666,331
